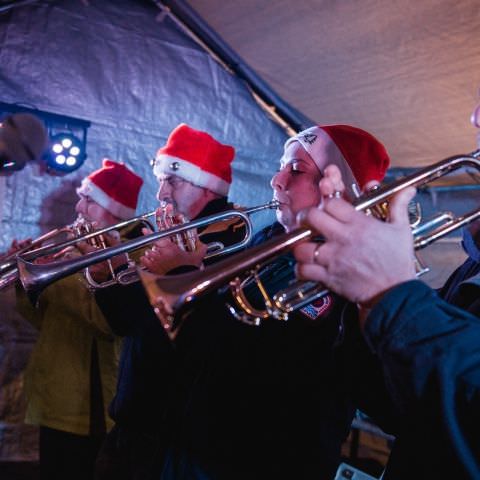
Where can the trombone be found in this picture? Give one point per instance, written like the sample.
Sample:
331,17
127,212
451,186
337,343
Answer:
35,278
171,297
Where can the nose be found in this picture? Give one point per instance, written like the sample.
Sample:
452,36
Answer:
80,206
164,192
279,181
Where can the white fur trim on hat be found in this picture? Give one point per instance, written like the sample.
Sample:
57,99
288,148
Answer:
316,142
88,188
166,164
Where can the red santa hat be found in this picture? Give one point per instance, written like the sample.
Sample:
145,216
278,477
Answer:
196,157
358,154
114,187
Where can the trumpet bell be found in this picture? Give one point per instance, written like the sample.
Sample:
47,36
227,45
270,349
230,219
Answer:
34,276
9,273
163,298
170,295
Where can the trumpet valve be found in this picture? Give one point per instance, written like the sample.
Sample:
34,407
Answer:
167,217
83,227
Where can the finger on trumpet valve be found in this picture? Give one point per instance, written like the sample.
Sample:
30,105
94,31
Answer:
167,217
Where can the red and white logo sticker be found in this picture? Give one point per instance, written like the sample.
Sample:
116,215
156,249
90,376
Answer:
318,307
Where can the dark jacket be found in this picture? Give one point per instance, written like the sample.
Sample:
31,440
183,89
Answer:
268,402
229,400
430,352
461,289
148,360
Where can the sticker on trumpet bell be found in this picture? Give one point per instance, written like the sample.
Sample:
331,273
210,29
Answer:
318,307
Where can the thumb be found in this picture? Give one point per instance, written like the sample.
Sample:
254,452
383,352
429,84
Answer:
399,206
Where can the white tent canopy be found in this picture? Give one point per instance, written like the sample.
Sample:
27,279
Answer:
407,71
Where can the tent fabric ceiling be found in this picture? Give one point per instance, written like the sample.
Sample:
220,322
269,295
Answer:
407,71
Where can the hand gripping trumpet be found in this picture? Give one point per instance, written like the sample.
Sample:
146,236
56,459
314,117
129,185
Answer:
172,297
166,217
35,278
36,250
8,263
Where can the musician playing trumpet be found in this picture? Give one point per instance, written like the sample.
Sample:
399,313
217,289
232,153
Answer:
276,401
71,375
429,349
194,174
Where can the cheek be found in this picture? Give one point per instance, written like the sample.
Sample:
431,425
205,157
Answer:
193,196
95,213
184,199
307,195
178,196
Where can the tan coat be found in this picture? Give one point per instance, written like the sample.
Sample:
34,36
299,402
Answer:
57,380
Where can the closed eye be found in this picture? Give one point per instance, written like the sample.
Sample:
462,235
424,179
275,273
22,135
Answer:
295,170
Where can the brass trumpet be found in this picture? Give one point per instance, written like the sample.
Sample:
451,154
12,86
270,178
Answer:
80,230
171,297
35,278
166,217
8,265
35,250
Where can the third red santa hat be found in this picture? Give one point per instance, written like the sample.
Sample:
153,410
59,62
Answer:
357,153
114,187
196,157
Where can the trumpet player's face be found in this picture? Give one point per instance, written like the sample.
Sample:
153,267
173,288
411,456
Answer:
186,197
295,186
93,212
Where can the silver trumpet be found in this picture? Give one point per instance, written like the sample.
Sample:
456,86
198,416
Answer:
172,297
44,247
35,278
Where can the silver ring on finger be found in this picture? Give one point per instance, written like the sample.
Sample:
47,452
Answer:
316,252
335,194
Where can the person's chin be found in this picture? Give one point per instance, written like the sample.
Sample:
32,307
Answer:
286,220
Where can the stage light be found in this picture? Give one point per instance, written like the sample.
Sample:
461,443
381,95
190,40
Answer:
67,148
66,153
